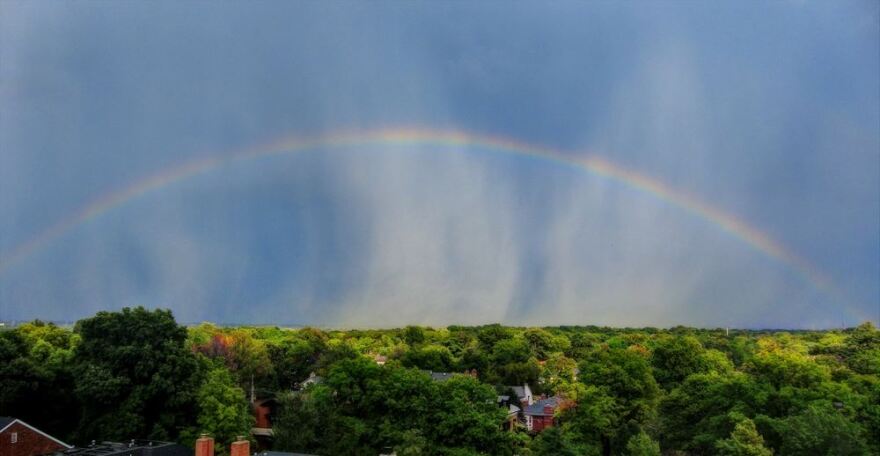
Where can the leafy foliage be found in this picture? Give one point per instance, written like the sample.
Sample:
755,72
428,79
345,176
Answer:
743,441
138,374
135,377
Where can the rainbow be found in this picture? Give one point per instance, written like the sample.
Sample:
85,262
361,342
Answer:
415,136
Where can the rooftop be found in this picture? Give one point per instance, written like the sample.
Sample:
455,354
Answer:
537,409
132,448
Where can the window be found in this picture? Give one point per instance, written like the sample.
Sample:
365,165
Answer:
14,437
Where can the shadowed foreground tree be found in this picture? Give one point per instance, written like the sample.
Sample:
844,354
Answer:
135,377
36,379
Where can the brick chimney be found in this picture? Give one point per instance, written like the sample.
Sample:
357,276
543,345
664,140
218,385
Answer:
205,446
240,447
548,409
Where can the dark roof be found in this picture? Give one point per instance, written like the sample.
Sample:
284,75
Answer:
439,376
133,448
281,453
537,409
5,421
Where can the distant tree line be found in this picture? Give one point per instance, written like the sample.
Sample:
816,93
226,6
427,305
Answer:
138,374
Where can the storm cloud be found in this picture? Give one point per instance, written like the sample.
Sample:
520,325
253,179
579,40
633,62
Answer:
769,112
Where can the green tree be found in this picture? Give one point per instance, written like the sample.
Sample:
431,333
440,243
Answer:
695,415
414,335
412,443
310,422
676,357
36,378
559,372
551,442
785,367
468,417
223,410
642,444
508,351
542,343
863,349
595,421
248,358
744,441
292,361
490,335
627,376
429,357
135,376
821,430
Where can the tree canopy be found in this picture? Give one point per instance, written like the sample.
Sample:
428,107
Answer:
137,373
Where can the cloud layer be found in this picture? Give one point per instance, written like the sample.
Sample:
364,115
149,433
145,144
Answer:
776,123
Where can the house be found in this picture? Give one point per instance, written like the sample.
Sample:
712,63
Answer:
512,413
18,438
539,415
523,394
512,417
264,411
380,359
439,376
312,380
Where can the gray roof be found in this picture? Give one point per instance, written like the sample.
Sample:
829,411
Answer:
439,376
537,409
313,379
133,448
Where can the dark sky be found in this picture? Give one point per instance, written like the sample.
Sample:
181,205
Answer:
768,112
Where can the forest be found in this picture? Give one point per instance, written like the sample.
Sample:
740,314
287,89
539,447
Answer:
138,373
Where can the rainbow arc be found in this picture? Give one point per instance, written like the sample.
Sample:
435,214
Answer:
460,141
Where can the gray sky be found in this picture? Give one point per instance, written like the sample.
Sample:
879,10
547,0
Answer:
769,112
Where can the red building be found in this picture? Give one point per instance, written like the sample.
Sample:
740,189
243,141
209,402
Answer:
18,438
539,415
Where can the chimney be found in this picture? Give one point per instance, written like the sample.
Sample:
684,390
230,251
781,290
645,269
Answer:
240,447
205,446
548,409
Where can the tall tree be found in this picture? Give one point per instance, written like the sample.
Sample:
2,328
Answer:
820,429
223,410
135,377
744,441
36,379
674,358
551,442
